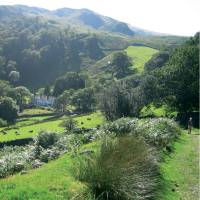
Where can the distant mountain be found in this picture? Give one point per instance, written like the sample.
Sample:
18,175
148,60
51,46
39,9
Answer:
79,17
42,45
21,10
84,18
37,43
93,20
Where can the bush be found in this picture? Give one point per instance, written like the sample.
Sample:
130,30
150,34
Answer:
69,124
125,168
160,132
121,126
46,139
3,123
8,109
10,164
48,146
49,154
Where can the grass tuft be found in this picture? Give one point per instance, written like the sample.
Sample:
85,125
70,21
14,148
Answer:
125,168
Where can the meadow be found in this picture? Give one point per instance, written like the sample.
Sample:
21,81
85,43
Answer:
32,126
140,55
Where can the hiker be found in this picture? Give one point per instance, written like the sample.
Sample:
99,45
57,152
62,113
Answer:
190,125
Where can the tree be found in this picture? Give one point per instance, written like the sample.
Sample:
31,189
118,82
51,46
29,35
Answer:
47,91
84,99
63,100
4,88
179,78
11,66
157,61
22,95
8,109
115,102
2,68
14,76
127,97
149,89
122,64
71,80
93,49
69,124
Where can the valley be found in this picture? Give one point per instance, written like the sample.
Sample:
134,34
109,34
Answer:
94,108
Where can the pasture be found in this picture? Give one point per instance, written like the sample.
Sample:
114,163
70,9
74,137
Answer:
33,125
140,55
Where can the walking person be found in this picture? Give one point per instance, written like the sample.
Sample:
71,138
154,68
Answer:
190,125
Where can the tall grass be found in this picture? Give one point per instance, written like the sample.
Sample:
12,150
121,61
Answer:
123,169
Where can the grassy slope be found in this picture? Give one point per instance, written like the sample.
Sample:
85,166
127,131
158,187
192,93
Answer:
181,169
90,121
140,55
96,119
52,181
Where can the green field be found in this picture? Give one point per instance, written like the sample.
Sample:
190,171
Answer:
140,55
90,121
27,130
35,111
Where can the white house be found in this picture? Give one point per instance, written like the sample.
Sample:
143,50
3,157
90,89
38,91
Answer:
42,100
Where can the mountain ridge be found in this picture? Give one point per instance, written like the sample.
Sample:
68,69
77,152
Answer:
83,17
36,43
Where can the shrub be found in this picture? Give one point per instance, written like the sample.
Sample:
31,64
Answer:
120,126
10,164
69,124
46,139
48,146
3,123
8,109
125,168
49,154
160,132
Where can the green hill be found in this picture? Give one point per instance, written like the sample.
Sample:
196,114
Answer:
140,55
35,42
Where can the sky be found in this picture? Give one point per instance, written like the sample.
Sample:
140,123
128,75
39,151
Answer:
177,17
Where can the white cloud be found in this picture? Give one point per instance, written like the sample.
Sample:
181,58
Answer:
179,17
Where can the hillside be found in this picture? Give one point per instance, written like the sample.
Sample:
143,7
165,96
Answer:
84,18
35,42
37,46
139,55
